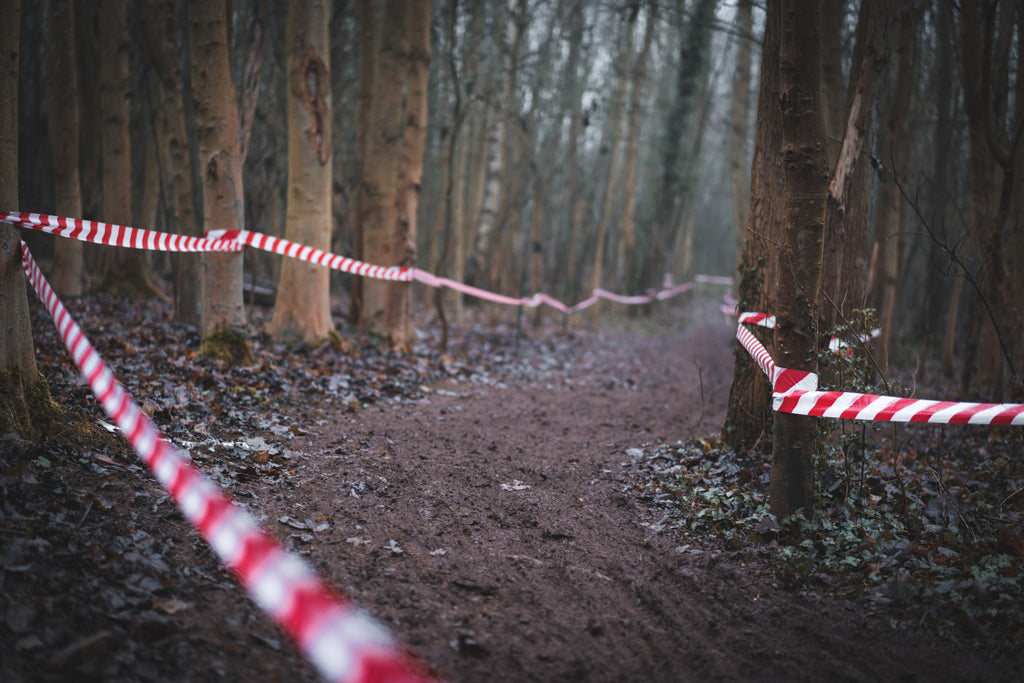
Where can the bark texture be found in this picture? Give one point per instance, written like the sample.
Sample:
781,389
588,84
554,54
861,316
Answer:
748,422
220,169
62,104
302,311
805,163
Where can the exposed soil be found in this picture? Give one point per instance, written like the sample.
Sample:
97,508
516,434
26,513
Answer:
482,505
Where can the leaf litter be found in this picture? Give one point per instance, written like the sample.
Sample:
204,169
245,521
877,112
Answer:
103,579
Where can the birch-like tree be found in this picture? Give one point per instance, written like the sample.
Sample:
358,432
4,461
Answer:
302,311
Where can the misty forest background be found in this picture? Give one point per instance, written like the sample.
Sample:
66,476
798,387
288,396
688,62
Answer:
579,143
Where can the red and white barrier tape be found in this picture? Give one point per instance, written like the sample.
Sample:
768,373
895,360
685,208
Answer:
795,391
234,240
344,643
301,252
98,232
835,344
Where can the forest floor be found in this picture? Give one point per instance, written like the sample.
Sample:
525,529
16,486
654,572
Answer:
557,510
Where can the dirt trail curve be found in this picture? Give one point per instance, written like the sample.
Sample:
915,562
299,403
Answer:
493,527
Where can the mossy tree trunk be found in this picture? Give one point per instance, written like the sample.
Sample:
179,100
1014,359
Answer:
302,311
223,315
805,164
25,405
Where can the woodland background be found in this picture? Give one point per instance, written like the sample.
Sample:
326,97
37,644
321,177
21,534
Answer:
555,146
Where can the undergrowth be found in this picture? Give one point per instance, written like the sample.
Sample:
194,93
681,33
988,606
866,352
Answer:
928,533
923,521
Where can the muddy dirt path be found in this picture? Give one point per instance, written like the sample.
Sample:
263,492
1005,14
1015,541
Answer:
494,527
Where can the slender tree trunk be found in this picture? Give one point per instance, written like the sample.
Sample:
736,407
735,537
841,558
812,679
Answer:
126,271
470,160
62,99
627,252
369,46
895,140
164,41
220,167
612,187
748,422
738,129
805,160
574,105
302,310
379,173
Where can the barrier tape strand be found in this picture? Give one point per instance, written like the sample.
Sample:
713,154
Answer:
114,235
344,643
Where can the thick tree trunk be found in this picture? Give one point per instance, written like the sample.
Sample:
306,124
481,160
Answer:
302,310
805,160
25,404
62,100
748,422
221,171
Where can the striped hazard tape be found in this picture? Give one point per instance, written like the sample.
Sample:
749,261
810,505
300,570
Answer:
796,392
98,232
301,252
235,240
344,643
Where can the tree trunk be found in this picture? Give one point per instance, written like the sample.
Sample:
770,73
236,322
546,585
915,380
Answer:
748,421
62,99
994,149
738,129
410,173
302,310
627,253
383,139
574,105
164,41
25,404
844,269
891,216
612,185
223,312
125,270
369,46
805,160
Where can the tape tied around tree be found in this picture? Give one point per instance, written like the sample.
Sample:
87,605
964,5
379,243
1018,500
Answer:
796,392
